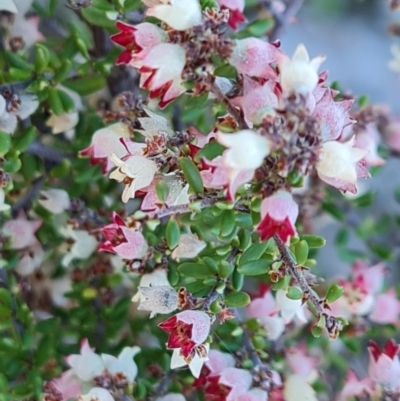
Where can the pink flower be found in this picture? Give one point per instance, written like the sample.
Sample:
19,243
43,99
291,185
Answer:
252,56
237,380
161,72
333,116
189,247
187,330
300,362
123,241
138,40
386,308
299,74
113,139
392,135
369,139
341,164
68,385
259,100
21,232
278,213
235,8
354,387
384,365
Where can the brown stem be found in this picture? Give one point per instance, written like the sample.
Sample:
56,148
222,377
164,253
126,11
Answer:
232,110
292,8
332,324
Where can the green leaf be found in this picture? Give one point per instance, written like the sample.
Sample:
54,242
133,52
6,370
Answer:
87,84
313,241
363,101
172,233
226,71
260,27
196,102
210,151
26,138
98,17
254,267
317,331
192,175
227,222
342,237
17,61
334,292
195,270
382,251
162,190
301,252
364,200
397,194
254,252
5,142
5,298
244,239
294,293
42,58
208,4
237,280
333,210
225,269
55,103
66,101
63,71
238,299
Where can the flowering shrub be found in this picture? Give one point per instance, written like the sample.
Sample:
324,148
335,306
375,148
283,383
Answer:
163,163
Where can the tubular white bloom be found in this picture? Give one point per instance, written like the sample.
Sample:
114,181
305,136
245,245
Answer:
189,246
289,308
172,397
338,160
97,394
296,388
158,300
123,364
136,172
178,14
299,74
246,149
195,364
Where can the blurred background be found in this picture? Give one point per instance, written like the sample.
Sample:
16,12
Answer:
354,36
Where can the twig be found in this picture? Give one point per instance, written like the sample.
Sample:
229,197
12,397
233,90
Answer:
232,110
332,324
30,195
45,152
292,8
162,385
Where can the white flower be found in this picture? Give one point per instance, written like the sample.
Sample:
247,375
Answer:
157,278
87,364
84,244
289,308
123,364
274,326
246,149
8,5
195,364
97,394
159,299
9,119
55,200
3,206
136,172
297,388
178,14
189,247
30,260
338,160
172,397
299,74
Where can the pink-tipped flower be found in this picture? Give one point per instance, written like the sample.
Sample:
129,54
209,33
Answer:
113,139
235,8
333,116
138,40
259,100
384,365
187,330
21,232
354,387
238,381
278,213
369,139
341,164
123,241
178,14
252,56
386,308
161,72
299,74
392,135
